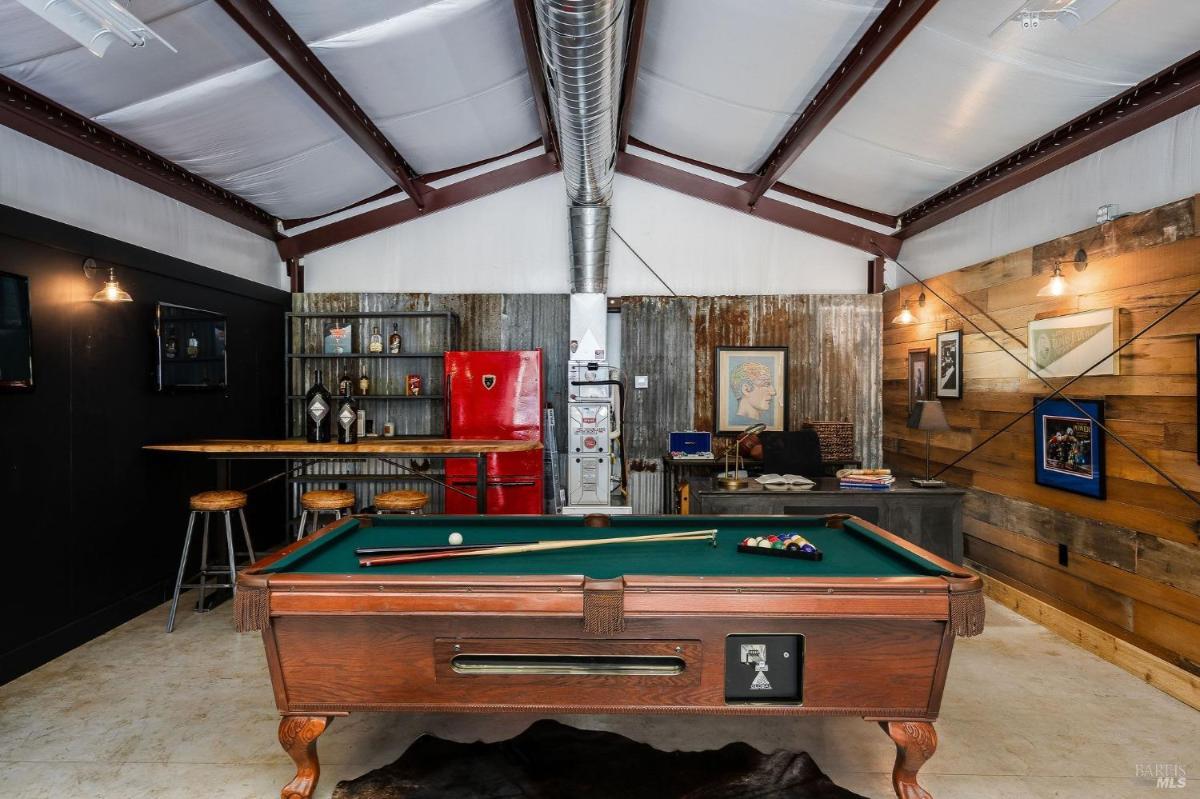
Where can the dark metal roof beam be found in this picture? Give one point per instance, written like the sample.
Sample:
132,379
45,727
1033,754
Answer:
1156,99
406,210
43,119
285,47
887,220
893,24
738,199
537,78
633,57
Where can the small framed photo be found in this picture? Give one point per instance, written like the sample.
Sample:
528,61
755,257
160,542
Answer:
948,379
918,377
16,334
750,387
338,337
1068,446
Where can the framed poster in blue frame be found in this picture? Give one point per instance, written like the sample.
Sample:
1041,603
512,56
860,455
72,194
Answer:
1068,447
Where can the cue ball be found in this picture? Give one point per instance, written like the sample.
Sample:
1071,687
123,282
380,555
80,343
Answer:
456,538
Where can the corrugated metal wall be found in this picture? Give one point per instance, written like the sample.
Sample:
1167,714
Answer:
834,359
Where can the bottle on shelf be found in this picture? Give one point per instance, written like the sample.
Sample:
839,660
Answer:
345,385
171,347
394,339
347,418
193,344
318,412
364,385
376,344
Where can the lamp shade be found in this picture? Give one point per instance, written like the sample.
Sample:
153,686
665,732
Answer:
928,415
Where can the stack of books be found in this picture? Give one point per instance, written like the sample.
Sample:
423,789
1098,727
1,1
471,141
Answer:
869,479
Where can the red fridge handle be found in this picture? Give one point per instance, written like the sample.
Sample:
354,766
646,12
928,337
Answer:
448,402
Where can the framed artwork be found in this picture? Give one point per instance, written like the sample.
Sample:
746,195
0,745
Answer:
948,379
1068,447
750,387
338,337
918,377
16,334
1066,346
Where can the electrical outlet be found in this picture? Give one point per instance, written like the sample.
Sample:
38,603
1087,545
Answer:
641,381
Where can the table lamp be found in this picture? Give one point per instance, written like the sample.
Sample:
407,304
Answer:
729,479
928,415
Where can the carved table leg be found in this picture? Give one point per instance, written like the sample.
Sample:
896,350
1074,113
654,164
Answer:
298,737
916,742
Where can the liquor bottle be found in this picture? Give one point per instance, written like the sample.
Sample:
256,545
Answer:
364,385
317,412
347,418
376,344
345,385
193,344
394,340
171,347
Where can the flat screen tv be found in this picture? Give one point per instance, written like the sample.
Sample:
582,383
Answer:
16,338
191,349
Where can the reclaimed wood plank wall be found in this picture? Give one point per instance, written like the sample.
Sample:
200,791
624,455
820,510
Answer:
834,356
1133,560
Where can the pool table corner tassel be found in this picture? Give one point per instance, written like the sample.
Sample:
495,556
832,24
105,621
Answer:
251,608
967,612
603,606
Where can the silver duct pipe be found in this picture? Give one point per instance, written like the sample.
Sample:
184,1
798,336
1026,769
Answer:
583,49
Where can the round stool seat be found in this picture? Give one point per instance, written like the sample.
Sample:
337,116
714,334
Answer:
327,500
401,500
217,500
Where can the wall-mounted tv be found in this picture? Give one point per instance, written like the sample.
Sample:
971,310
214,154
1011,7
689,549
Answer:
16,337
191,348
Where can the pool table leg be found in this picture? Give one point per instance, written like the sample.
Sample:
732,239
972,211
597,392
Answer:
298,737
916,742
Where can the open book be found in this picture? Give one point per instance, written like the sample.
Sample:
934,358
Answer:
784,480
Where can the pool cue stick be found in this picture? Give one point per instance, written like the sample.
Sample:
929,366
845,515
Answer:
367,551
542,546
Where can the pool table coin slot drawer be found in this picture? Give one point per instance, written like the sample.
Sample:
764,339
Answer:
509,660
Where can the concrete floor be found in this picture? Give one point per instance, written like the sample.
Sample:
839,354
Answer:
138,713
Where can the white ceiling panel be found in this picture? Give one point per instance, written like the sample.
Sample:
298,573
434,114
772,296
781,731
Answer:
253,128
721,80
952,99
445,81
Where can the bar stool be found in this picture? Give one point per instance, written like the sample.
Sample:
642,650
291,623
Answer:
318,502
401,502
208,503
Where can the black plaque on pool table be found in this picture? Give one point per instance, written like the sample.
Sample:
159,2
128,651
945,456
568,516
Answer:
764,668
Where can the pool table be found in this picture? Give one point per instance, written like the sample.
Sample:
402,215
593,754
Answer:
681,627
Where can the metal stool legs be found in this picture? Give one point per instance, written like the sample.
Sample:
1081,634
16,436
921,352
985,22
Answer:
204,573
316,520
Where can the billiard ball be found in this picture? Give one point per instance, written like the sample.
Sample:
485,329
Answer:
765,543
456,539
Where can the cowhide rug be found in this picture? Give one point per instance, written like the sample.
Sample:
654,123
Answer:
553,761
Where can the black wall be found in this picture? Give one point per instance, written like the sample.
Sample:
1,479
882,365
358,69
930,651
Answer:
93,525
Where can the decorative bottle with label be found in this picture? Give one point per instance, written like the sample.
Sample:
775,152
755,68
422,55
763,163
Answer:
318,412
193,344
345,385
394,340
347,418
376,344
171,347
364,385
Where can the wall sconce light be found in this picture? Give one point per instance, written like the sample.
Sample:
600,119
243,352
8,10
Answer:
112,291
905,317
1058,287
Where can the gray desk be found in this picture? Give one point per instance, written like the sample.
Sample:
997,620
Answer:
929,517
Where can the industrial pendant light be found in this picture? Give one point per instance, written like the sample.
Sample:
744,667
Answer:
112,291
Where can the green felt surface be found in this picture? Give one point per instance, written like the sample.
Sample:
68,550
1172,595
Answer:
849,552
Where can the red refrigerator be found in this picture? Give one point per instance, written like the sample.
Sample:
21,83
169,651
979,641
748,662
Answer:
495,395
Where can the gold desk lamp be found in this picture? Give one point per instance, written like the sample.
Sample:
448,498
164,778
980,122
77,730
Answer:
728,479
